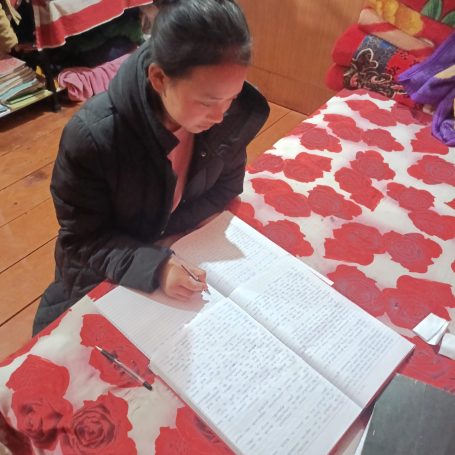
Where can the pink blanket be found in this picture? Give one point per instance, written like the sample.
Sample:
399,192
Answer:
83,82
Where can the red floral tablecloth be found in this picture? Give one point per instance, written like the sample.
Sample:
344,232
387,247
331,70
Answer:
360,191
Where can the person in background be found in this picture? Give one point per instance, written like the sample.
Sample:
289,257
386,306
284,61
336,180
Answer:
159,153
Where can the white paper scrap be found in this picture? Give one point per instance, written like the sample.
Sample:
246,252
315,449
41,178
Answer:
448,346
431,329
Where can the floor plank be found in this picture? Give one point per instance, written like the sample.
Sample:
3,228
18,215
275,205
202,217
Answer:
17,331
36,122
265,141
27,233
25,194
276,112
26,280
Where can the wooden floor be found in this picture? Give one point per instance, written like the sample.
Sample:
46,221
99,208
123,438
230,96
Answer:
28,145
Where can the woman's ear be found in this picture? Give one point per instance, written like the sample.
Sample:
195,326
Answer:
157,78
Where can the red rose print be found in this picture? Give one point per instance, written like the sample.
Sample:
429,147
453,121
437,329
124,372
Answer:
359,186
102,289
306,167
290,204
14,440
424,142
36,371
407,116
424,364
451,203
263,186
372,165
433,170
37,401
97,331
40,415
442,226
343,127
453,266
370,111
413,300
381,139
410,198
190,437
316,138
288,235
245,211
354,242
266,162
325,201
412,251
356,286
301,128
100,427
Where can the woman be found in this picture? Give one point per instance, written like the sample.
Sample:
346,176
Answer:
157,154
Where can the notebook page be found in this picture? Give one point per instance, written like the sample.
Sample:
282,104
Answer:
229,250
352,349
251,389
148,320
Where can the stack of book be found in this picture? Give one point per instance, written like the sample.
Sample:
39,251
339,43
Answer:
18,83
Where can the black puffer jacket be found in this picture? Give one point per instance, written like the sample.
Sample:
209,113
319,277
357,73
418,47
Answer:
113,185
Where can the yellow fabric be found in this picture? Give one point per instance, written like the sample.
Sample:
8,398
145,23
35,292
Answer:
8,38
447,73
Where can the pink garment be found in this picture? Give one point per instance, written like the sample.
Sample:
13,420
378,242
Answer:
83,82
180,157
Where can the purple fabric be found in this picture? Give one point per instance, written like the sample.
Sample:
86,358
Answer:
82,82
425,85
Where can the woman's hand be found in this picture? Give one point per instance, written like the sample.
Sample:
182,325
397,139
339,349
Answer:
177,283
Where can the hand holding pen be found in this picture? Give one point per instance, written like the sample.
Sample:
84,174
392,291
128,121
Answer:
180,280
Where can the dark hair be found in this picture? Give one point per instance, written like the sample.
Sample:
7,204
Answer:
189,33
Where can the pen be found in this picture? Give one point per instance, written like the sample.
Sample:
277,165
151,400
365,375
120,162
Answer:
117,362
196,278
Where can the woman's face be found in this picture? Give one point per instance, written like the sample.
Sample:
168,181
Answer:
198,101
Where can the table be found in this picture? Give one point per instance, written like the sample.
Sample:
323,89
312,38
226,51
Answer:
360,191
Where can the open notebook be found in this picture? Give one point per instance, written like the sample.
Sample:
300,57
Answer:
274,360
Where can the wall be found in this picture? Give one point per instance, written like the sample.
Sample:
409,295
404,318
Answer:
292,44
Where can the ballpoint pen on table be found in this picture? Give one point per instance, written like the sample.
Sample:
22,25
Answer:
196,278
126,369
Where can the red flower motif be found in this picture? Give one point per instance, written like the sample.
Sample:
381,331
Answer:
424,142
424,364
326,201
372,165
344,127
306,167
245,211
354,242
451,204
453,266
287,234
370,111
190,437
410,198
407,116
412,300
290,204
38,372
40,416
263,186
381,139
14,440
412,251
356,286
359,186
37,401
442,226
97,331
433,170
100,427
315,138
266,162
